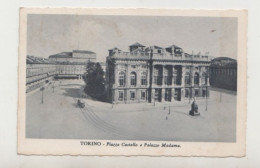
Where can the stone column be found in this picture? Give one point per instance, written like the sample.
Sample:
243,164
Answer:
172,80
170,74
138,76
183,77
127,76
153,95
163,95
162,79
192,76
116,76
173,92
207,74
200,78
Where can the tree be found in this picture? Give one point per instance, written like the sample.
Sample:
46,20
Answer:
95,82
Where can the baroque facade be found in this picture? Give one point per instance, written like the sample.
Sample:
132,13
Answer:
150,74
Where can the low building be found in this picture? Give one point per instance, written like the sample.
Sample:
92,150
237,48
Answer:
72,65
39,71
150,74
223,73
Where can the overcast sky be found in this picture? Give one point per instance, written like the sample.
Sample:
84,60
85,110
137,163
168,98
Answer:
51,34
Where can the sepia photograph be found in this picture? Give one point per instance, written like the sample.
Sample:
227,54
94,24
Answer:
134,80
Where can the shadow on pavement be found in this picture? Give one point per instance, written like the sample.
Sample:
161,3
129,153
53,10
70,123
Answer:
223,91
71,92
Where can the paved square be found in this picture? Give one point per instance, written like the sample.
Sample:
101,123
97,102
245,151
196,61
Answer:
59,117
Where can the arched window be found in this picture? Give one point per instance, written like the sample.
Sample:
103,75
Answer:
187,78
196,78
133,78
204,79
143,78
121,79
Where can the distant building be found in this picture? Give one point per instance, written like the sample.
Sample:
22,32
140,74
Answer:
72,65
223,73
150,74
39,71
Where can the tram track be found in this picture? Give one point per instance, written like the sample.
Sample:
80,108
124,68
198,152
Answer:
109,128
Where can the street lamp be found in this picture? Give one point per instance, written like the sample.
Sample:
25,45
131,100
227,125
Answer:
42,89
206,98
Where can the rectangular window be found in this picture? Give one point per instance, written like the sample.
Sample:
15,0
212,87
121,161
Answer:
143,80
204,93
121,81
133,81
196,92
121,96
187,80
143,95
132,95
133,66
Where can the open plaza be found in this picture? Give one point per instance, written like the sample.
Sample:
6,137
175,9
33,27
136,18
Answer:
57,116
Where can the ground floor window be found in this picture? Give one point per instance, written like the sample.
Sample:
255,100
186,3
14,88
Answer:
143,95
204,93
196,92
132,95
121,96
187,93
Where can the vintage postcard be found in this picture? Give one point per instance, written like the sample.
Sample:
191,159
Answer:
129,82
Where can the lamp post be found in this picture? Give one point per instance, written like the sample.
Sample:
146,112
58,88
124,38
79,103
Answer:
206,98
42,89
207,83
169,109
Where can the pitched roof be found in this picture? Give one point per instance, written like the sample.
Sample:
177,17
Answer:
115,48
137,50
83,51
173,46
36,60
155,47
136,45
62,55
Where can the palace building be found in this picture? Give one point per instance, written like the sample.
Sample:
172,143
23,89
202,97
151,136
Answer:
72,65
155,74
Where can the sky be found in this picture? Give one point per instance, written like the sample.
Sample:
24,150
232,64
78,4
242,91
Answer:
52,34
